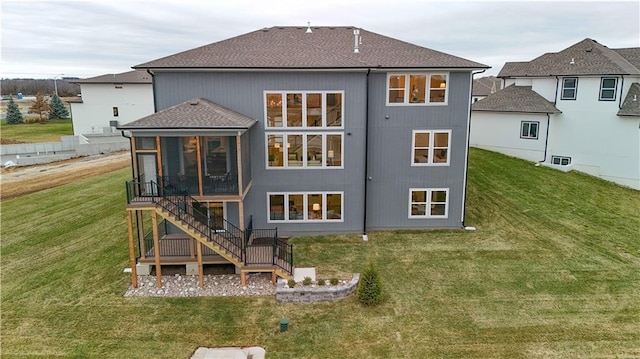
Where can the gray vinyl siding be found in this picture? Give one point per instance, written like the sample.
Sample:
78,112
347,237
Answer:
389,145
245,143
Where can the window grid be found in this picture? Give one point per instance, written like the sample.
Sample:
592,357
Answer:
561,160
296,150
435,153
417,89
569,88
305,207
529,130
304,109
428,203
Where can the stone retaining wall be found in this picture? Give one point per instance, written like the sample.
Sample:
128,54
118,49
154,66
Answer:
284,294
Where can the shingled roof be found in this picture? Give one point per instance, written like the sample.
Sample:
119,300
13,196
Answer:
323,48
587,57
130,77
485,86
515,99
198,113
631,104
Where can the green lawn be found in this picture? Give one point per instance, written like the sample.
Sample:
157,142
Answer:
553,271
36,132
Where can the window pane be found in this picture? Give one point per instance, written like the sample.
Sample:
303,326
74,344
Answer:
421,156
294,110
525,129
214,155
296,207
418,196
276,207
396,96
438,85
438,209
314,110
417,84
314,206
274,110
441,139
334,206
608,83
190,156
314,151
334,110
216,214
533,130
568,94
607,94
145,143
570,82
396,82
275,151
294,151
334,150
422,139
438,196
441,147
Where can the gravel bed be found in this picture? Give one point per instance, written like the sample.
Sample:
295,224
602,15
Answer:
226,285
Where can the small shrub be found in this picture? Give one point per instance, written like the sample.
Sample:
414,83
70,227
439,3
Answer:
291,283
321,282
306,281
370,286
334,281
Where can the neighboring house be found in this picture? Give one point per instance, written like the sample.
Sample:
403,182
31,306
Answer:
574,109
307,130
111,100
484,87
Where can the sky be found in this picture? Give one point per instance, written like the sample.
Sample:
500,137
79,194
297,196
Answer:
54,39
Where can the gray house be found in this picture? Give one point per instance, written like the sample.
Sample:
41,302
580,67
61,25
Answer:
301,129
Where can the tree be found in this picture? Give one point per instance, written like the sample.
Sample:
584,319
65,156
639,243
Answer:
370,286
13,113
40,106
58,109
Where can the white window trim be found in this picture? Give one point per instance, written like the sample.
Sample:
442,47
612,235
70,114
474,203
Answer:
428,203
305,206
305,164
560,159
427,89
530,137
304,110
614,88
575,89
431,148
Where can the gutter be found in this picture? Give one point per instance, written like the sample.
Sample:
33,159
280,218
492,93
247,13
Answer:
466,164
366,158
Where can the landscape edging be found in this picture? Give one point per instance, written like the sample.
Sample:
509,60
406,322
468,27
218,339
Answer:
307,294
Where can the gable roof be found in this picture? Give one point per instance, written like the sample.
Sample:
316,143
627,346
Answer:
485,86
515,99
323,48
586,57
198,113
130,77
631,104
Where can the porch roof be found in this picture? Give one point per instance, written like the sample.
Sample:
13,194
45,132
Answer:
197,113
515,99
631,104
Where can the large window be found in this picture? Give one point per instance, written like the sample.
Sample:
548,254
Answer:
608,88
428,202
305,150
304,109
529,129
417,89
431,148
305,207
569,88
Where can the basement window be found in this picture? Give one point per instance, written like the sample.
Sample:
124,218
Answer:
561,160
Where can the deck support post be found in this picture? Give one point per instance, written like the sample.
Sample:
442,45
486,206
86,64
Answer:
143,249
273,277
200,267
243,278
132,253
156,249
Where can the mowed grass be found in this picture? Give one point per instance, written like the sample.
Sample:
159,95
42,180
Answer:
48,131
551,272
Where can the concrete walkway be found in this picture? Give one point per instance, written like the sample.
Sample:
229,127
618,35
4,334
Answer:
229,353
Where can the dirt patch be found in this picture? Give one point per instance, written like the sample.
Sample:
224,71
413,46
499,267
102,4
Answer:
7,141
17,181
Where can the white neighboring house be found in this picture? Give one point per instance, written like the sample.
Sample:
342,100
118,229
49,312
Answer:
110,100
575,109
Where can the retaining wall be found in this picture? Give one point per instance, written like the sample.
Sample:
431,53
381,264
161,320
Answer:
307,294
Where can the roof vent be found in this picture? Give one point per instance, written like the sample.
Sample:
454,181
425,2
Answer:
572,62
635,98
309,31
193,102
356,35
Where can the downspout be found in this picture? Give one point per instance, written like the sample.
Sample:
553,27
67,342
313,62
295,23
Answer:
621,89
555,99
546,139
466,164
153,90
366,157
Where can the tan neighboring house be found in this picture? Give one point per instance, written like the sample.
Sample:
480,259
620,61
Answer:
110,100
485,86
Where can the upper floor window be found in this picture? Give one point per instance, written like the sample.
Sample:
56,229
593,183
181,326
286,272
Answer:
304,150
428,202
417,89
430,147
304,109
569,88
608,87
115,111
529,129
